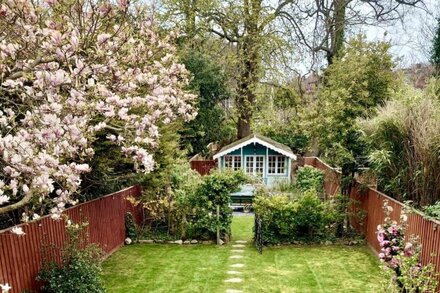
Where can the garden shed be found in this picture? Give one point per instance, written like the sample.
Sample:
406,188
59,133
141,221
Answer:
259,156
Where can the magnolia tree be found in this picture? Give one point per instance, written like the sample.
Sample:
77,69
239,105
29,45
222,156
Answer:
69,69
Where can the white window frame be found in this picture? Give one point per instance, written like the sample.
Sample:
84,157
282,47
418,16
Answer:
254,165
277,161
235,159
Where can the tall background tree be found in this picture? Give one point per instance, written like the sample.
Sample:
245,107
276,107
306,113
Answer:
210,83
359,80
322,26
251,36
435,51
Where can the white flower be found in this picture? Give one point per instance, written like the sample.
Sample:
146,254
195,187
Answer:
404,218
36,216
24,217
5,287
56,216
18,231
82,168
15,159
111,137
3,199
390,209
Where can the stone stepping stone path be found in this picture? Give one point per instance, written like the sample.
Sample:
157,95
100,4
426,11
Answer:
238,245
237,265
235,256
234,280
238,249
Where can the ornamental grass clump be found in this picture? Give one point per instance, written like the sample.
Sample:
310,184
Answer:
401,257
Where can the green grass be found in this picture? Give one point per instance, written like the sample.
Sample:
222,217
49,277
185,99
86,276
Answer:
242,228
202,268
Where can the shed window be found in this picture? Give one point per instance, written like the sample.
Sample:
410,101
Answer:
233,162
277,165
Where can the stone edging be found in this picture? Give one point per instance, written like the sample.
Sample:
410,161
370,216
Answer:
179,242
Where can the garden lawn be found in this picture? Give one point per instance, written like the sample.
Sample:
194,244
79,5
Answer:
203,268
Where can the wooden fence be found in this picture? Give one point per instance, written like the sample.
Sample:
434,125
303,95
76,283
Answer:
21,256
369,202
203,166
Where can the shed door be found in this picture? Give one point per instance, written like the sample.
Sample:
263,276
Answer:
255,165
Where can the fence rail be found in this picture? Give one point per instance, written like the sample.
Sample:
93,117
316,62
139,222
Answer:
21,257
370,202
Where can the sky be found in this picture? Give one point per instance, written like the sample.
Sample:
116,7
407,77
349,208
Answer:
410,38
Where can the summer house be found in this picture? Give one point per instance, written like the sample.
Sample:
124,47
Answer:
259,156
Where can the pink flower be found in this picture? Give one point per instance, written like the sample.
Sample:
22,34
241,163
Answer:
103,38
394,263
51,2
122,3
408,249
380,236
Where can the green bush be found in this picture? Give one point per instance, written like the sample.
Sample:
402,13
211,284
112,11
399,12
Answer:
301,218
131,230
213,191
166,212
79,270
284,186
433,211
309,178
189,212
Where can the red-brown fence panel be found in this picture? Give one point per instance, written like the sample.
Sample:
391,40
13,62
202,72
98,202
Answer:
21,256
203,166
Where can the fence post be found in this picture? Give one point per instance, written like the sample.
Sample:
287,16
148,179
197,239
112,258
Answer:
218,223
258,237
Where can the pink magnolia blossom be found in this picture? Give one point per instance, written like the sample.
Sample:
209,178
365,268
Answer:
4,199
72,84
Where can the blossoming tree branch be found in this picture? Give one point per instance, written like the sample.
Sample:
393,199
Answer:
71,68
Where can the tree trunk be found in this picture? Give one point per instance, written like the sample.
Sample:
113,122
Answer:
243,128
250,57
190,16
337,30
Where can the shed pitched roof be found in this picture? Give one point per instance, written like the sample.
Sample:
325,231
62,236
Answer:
256,138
